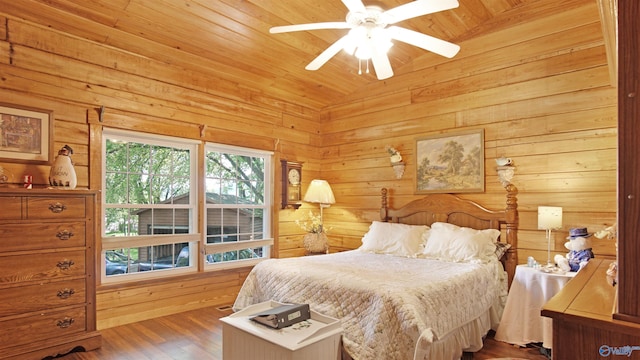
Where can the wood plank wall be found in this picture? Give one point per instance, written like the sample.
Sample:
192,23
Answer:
75,78
539,89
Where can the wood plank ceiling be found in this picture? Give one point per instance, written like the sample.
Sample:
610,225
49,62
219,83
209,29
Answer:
230,39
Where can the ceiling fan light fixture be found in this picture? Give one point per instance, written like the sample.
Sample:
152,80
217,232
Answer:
354,39
372,30
364,41
364,52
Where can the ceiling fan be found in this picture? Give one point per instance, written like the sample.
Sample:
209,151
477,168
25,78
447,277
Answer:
370,34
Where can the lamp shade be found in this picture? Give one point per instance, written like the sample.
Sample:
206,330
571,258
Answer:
549,217
320,192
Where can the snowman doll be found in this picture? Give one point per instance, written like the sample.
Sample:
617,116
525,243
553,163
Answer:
580,252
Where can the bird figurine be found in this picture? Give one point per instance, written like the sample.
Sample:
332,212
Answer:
62,173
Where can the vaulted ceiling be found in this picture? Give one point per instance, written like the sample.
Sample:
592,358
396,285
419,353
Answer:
230,39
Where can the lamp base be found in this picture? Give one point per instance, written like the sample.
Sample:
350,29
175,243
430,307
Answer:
316,243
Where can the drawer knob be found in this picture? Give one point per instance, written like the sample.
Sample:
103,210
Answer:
57,208
65,293
65,264
64,235
65,323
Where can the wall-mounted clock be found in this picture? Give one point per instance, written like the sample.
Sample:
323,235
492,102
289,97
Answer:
291,184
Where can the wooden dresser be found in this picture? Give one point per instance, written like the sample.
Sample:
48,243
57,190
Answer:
583,323
47,273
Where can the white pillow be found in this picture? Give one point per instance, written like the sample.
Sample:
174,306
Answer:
459,244
394,239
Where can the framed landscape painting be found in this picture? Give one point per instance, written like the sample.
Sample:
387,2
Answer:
25,134
450,163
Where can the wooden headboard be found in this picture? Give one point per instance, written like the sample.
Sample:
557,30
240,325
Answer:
452,209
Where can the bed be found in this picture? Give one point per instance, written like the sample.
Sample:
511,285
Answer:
429,281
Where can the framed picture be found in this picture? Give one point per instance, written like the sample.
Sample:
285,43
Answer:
25,134
450,163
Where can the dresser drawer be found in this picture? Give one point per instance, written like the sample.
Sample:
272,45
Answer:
47,262
11,208
15,237
38,297
41,266
46,325
55,207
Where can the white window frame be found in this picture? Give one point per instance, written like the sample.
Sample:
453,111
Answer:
267,241
193,238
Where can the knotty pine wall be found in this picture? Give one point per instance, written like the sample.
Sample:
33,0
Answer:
89,86
540,90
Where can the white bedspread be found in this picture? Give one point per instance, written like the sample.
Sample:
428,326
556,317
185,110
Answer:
391,307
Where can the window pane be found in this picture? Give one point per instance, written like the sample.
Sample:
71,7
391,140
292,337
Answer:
116,188
181,162
163,257
138,189
154,174
236,205
243,254
121,222
213,186
121,261
149,190
213,164
171,174
116,156
164,221
221,226
161,160
229,191
139,158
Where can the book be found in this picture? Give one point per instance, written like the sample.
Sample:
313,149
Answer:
283,315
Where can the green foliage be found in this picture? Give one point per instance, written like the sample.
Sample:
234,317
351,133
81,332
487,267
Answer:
239,176
145,174
139,175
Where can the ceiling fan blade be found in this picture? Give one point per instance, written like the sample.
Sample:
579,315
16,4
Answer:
417,8
354,5
330,52
312,26
426,42
381,65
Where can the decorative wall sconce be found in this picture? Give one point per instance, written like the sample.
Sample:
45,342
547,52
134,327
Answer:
396,161
610,232
505,170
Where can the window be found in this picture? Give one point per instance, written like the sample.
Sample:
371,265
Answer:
149,204
238,202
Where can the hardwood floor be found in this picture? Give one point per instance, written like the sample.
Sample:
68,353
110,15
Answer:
197,335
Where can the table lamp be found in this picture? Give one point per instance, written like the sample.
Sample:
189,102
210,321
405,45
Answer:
549,218
320,192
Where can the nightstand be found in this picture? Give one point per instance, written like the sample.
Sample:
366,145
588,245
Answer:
318,338
521,321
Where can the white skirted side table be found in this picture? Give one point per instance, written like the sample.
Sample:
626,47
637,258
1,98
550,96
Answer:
521,321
